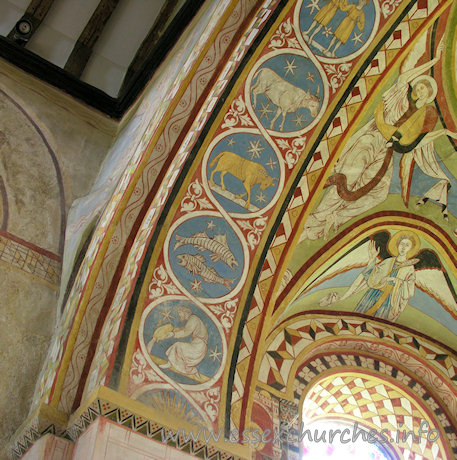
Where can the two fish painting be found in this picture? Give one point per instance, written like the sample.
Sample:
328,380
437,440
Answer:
197,265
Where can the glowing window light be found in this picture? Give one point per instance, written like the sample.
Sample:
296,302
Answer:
338,450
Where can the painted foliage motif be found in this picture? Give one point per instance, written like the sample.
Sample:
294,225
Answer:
206,256
183,342
286,93
337,28
243,173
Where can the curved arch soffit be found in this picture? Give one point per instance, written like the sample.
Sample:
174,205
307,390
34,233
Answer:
378,402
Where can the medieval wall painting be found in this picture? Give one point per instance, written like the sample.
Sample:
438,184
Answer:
286,92
243,172
217,220
182,342
395,151
192,294
338,30
30,178
222,213
393,275
206,256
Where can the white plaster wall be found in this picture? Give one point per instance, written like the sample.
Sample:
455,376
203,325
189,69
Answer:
106,440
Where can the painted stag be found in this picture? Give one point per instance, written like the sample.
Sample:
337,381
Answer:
248,172
287,97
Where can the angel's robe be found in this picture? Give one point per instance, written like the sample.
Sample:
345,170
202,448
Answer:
387,299
362,159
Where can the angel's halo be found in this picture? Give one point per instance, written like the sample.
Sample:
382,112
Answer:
393,243
431,81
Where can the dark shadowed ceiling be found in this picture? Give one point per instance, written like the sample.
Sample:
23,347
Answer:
101,51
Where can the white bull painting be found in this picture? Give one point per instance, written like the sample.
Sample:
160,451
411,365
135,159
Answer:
287,97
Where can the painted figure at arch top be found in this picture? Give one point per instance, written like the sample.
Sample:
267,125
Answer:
391,282
393,265
354,17
403,123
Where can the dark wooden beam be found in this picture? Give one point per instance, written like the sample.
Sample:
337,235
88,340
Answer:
56,76
157,29
85,44
35,13
158,52
113,107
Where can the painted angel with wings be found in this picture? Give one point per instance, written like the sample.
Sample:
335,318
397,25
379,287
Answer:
403,123
394,267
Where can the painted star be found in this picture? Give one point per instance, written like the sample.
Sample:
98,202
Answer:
210,225
271,163
230,141
290,67
310,76
166,314
299,120
196,286
357,38
327,31
314,5
215,354
261,198
255,149
264,111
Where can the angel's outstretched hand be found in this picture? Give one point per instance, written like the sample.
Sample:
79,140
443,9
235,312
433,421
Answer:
372,252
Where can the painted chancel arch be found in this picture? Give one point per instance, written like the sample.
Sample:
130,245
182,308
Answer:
238,222
304,334
304,351
235,115
407,199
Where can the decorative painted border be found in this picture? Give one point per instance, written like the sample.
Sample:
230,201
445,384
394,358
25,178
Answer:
401,39
30,259
165,148
110,339
120,409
